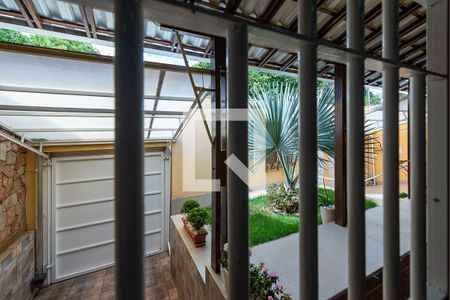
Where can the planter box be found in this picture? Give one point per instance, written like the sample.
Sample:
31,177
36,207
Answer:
327,214
226,278
198,237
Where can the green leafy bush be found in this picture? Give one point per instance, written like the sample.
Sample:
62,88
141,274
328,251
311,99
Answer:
189,205
197,217
403,195
282,200
325,197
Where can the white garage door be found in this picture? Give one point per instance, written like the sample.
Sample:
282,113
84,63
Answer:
83,212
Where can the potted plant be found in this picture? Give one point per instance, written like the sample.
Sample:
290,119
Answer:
187,207
196,220
326,204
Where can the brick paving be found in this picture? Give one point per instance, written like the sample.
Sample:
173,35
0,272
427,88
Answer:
159,284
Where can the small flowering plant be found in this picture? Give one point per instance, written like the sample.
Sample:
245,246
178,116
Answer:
265,285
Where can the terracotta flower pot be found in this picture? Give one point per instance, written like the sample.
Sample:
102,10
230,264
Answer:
184,219
197,236
327,214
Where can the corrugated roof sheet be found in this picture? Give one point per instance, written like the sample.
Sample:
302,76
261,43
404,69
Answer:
9,5
58,10
330,17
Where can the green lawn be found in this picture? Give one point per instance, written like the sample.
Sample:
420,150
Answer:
266,226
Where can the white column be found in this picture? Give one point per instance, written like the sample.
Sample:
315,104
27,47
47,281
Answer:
438,150
417,173
391,236
237,141
308,153
355,153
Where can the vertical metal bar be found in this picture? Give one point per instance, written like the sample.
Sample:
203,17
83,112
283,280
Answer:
417,173
391,235
237,190
340,153
129,150
355,150
218,156
307,16
40,215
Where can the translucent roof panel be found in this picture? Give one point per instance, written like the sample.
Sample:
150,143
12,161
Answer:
69,136
166,123
58,122
52,100
161,135
55,99
66,74
173,105
178,84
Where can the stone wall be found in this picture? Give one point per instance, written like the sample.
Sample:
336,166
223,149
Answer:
17,269
186,262
12,192
185,274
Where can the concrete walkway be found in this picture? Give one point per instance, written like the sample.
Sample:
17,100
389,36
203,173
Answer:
282,256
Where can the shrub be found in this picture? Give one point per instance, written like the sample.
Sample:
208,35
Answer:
325,197
280,199
197,217
265,285
403,195
275,191
288,204
189,205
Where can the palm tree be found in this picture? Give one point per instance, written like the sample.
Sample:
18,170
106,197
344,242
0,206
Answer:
273,127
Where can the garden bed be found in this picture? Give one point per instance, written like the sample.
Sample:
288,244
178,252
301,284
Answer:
266,226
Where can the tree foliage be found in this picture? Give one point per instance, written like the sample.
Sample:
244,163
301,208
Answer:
259,80
371,98
12,36
273,127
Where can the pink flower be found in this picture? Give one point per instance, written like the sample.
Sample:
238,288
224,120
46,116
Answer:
270,298
273,274
264,270
279,287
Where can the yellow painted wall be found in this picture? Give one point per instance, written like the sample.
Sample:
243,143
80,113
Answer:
403,151
378,161
200,160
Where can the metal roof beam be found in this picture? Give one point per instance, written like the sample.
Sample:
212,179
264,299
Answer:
93,58
232,6
81,110
48,130
162,75
19,89
91,20
416,48
267,57
271,10
28,4
38,114
22,11
403,44
85,21
23,144
340,15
